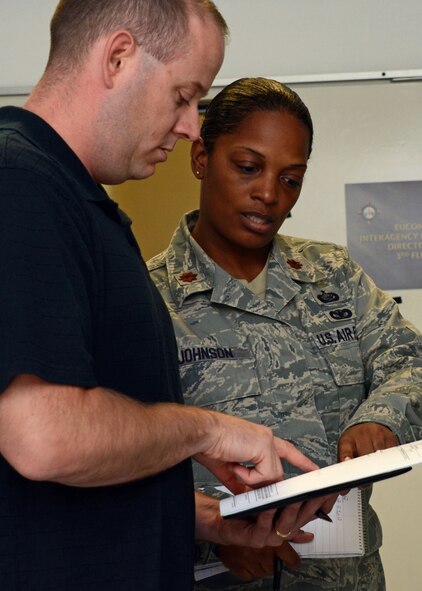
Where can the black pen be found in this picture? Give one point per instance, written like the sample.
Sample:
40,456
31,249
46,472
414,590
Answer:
322,515
278,567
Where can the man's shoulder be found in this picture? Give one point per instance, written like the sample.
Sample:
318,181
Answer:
18,151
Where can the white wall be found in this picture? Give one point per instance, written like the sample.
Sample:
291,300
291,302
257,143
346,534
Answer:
364,132
24,41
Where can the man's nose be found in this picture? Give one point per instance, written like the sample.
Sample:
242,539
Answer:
187,126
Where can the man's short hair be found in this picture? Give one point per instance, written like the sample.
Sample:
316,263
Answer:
159,26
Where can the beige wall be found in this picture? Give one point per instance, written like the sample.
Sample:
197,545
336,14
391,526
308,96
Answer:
156,205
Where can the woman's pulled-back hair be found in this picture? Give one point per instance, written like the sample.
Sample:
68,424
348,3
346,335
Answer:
159,26
230,107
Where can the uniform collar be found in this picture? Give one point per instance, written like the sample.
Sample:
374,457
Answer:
191,270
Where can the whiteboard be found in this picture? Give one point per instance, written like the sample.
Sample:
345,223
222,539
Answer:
289,37
268,38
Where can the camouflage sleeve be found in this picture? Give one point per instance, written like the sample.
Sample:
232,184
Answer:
392,355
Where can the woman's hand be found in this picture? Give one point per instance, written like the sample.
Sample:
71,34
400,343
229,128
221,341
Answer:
364,439
251,563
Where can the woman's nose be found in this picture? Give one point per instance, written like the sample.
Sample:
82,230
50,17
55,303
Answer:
266,189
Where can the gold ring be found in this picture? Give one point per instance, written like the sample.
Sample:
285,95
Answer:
283,536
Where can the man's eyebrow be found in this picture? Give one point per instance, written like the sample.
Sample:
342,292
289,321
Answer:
199,88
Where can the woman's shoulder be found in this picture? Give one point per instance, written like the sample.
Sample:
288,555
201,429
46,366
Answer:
157,267
157,262
311,249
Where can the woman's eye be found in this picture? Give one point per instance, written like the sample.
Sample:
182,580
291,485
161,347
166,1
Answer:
247,168
293,183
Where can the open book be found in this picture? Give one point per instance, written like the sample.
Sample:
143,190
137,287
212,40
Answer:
355,472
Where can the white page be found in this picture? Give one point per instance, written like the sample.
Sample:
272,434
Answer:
342,537
365,468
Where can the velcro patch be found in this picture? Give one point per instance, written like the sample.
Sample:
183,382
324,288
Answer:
200,354
335,336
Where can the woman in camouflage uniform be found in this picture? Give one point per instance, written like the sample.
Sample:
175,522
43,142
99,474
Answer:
285,331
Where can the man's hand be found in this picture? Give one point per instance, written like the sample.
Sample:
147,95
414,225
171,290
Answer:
364,439
234,442
260,533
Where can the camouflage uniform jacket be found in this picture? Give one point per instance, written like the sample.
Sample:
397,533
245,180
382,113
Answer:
326,349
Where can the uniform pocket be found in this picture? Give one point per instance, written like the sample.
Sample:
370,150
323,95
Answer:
220,378
346,364
340,348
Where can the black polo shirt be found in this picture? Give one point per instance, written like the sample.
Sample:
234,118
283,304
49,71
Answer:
77,307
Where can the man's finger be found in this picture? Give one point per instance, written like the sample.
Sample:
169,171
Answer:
292,455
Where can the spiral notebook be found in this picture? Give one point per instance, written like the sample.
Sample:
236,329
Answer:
343,537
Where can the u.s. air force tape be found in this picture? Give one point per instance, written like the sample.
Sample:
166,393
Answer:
334,336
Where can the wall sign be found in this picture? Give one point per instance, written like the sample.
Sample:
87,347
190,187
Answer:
384,231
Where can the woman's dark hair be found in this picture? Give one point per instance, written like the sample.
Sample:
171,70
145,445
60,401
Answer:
230,107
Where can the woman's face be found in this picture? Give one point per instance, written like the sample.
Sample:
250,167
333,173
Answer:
250,181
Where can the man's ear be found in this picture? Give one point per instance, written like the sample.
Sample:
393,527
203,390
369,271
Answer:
198,158
119,49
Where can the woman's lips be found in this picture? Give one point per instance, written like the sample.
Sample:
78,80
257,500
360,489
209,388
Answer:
257,222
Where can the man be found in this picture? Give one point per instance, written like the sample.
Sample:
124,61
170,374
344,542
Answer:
95,477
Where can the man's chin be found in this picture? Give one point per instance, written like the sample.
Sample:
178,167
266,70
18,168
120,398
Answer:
143,172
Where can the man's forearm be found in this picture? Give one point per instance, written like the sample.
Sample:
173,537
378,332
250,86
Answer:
92,437
96,437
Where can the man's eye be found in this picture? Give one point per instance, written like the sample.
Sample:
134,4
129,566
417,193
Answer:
183,100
